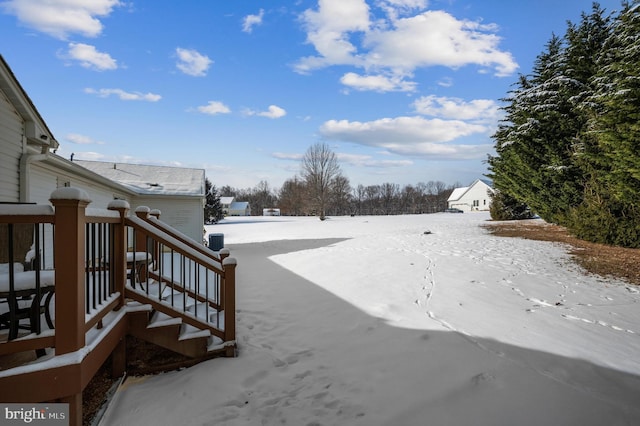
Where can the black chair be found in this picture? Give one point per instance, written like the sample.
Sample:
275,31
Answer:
27,298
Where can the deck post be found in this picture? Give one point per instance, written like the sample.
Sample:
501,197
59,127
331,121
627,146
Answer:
75,408
156,245
141,239
119,248
69,245
229,302
141,244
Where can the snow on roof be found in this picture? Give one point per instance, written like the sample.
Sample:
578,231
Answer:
239,205
226,200
457,193
148,179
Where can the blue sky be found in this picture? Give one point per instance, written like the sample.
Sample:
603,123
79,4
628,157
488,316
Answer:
403,91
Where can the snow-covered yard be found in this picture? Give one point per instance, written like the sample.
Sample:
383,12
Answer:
406,320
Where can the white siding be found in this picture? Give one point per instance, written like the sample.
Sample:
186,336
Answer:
11,129
186,215
45,179
42,183
476,197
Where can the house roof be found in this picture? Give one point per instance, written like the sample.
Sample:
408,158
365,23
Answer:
459,192
226,200
239,205
150,180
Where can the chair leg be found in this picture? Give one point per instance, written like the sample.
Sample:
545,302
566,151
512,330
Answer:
47,311
15,321
34,316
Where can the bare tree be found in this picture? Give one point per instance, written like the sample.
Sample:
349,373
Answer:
340,195
319,168
389,194
262,197
292,197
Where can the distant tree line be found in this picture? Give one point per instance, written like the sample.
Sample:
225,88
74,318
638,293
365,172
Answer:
322,190
569,146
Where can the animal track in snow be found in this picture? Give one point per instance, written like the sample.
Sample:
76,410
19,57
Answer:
598,322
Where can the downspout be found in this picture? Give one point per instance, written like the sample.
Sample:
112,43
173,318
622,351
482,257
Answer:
25,165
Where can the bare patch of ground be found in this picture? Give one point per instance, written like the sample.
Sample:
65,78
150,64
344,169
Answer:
599,259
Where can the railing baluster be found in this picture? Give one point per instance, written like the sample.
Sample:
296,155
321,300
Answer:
98,262
172,277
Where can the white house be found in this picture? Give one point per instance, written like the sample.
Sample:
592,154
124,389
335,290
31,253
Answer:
474,197
230,207
178,192
30,169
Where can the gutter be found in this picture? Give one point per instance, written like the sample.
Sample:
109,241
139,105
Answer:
25,162
62,164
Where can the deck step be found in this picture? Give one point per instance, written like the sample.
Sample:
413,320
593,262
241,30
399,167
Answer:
191,332
159,319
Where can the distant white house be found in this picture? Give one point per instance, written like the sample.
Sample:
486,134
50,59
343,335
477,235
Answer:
231,207
271,212
474,197
178,192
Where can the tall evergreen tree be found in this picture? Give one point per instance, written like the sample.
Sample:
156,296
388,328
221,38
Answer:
529,139
537,142
609,152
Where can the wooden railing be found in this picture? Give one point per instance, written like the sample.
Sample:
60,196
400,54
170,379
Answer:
91,256
177,275
26,235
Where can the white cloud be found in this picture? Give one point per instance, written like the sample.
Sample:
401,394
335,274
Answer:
368,161
252,20
437,38
193,63
343,34
407,4
456,108
409,136
214,108
328,31
378,83
90,58
123,95
356,160
60,18
81,139
287,156
272,112
394,8
445,82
